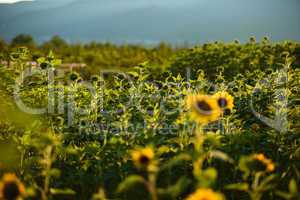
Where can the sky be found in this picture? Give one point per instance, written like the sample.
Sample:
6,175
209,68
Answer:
12,1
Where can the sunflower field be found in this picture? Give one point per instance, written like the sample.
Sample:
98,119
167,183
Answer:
214,122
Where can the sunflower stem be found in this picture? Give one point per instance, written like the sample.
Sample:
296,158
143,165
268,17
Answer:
152,186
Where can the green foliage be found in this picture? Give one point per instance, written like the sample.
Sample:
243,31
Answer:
87,155
23,40
2,43
234,58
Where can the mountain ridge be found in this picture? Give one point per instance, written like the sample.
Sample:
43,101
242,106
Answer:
133,20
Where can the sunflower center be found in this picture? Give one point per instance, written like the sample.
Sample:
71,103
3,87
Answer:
203,106
144,160
222,102
11,191
73,77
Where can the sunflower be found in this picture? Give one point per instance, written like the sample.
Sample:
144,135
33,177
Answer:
143,157
74,76
205,194
45,65
95,78
224,100
270,166
11,188
260,157
203,108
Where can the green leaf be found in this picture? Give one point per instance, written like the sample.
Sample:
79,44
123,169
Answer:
267,182
176,161
54,172
238,186
134,74
129,182
175,190
56,62
221,155
56,191
293,186
210,174
284,195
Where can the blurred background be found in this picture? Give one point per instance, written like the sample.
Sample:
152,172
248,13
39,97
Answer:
151,21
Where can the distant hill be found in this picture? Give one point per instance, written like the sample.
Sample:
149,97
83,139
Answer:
152,21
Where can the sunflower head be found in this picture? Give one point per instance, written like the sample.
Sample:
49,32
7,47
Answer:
224,100
11,188
268,163
74,76
143,158
203,108
270,167
45,65
260,157
205,194
95,78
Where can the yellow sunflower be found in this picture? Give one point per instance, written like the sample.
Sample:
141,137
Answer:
224,100
205,194
270,166
11,188
143,157
260,157
203,108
